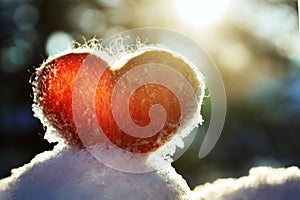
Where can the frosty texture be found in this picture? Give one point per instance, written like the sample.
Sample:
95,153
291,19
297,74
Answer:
70,89
68,174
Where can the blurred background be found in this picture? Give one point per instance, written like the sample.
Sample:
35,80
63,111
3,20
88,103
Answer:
255,44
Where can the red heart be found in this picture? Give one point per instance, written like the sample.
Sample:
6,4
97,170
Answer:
54,84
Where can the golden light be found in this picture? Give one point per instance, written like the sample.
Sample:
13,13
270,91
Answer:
201,13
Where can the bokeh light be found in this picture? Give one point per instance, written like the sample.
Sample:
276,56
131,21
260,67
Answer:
58,41
26,16
201,13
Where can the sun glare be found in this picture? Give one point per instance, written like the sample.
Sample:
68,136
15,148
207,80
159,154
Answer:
201,13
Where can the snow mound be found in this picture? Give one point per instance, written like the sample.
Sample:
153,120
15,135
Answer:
263,183
66,173
69,174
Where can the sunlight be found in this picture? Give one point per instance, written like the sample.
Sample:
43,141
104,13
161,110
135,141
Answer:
201,13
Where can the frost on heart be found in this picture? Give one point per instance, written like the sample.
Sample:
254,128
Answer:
143,100
111,113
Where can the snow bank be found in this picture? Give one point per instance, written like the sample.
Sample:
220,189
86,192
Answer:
68,174
263,183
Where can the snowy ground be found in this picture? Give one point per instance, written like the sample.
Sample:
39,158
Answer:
263,183
69,174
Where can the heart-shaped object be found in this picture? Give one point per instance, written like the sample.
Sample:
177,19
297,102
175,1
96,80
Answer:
54,86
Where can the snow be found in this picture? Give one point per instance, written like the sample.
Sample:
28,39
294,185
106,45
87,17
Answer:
65,173
263,183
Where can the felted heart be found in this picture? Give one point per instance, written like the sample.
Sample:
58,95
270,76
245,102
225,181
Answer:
54,87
